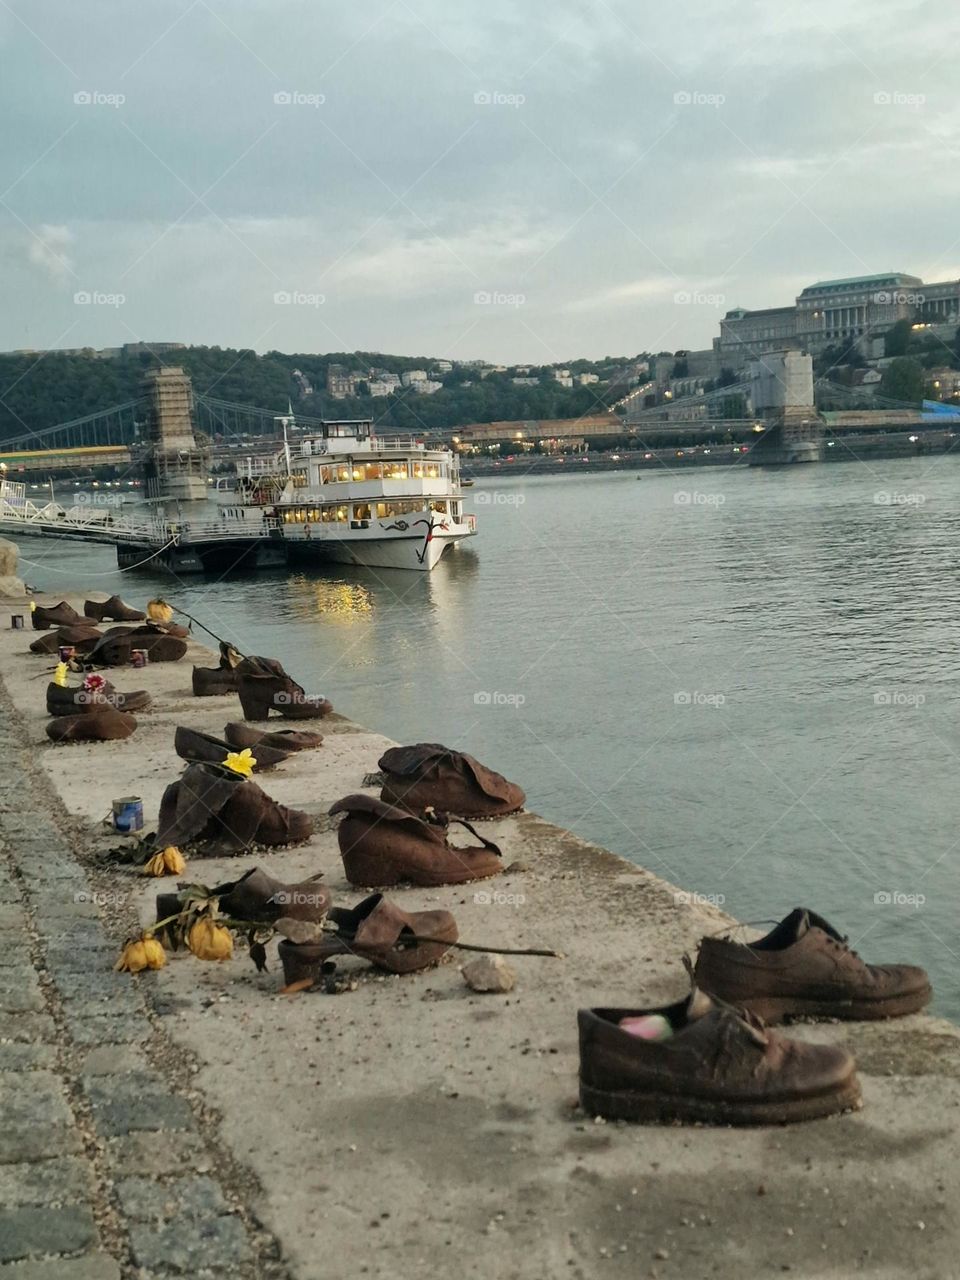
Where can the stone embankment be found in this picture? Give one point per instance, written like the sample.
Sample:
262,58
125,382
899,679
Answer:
194,1122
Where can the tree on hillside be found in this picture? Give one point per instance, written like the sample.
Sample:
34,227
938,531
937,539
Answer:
903,380
896,341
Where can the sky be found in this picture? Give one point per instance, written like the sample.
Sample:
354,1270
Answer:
534,181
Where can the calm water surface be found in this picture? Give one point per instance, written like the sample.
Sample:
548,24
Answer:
744,681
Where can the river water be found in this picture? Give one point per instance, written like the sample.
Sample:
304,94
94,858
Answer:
743,680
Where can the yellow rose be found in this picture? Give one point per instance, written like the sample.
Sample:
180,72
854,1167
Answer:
209,941
168,862
155,955
60,675
159,611
133,958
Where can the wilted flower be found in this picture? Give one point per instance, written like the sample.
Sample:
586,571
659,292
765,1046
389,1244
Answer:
168,862
209,941
241,761
144,952
159,611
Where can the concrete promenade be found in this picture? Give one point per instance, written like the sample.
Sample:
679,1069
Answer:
193,1122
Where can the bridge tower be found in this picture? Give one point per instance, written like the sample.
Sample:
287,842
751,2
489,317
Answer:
782,394
174,464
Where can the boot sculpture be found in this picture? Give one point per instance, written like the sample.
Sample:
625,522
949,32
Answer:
221,811
264,686
383,845
428,775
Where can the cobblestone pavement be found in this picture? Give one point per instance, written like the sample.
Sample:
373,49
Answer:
109,1163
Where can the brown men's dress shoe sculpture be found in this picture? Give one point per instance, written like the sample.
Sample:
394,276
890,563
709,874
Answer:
258,898
83,638
102,724
714,1065
57,615
804,968
219,811
384,845
428,775
117,645
264,686
95,692
204,748
211,682
113,610
375,930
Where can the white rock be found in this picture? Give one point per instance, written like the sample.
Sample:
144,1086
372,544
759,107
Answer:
489,973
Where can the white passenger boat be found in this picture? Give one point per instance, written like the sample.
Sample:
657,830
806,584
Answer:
345,495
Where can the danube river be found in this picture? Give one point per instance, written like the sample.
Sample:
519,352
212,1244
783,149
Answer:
744,680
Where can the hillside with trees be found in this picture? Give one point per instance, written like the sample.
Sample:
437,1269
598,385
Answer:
39,390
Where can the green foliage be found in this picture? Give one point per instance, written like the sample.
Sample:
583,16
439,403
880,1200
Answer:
903,380
38,391
896,341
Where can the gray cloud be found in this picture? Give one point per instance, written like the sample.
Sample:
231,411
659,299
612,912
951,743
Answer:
596,160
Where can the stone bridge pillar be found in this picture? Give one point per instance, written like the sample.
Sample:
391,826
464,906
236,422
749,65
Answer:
782,394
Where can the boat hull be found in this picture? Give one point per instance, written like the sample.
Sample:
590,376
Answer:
373,553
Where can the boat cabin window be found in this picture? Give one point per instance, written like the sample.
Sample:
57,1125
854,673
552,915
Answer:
441,507
395,471
361,511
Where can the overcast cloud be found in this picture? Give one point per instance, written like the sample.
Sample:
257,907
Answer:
383,163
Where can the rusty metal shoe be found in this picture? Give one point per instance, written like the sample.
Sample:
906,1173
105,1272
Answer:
241,735
804,968
112,610
217,810
259,899
57,615
375,930
264,686
428,775
102,724
116,646
95,692
383,845
213,682
718,1065
204,748
82,637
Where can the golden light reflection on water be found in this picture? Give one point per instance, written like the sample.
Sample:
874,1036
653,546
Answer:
340,601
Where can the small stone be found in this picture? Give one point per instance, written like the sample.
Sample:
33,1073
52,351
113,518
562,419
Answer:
489,973
662,1254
